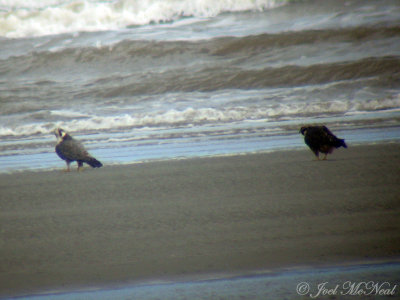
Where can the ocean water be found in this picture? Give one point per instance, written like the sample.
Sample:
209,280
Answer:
160,79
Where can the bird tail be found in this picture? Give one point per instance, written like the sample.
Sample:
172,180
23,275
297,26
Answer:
94,163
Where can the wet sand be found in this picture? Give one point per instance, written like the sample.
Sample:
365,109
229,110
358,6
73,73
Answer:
186,218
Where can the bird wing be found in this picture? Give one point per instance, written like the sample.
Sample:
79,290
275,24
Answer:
327,131
72,150
332,139
329,136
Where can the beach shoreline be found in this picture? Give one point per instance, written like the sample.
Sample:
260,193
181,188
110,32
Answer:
188,218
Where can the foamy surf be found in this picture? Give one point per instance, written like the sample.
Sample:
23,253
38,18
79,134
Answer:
23,19
93,117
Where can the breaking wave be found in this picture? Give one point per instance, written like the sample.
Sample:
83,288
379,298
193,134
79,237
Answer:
37,18
190,116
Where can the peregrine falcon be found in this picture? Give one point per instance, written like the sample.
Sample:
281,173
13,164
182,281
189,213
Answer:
321,139
71,150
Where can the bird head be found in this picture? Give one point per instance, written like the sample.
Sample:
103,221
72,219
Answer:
303,130
60,134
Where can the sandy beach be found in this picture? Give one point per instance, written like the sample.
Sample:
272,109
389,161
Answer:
178,218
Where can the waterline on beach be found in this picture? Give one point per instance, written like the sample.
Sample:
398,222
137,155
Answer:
189,148
337,280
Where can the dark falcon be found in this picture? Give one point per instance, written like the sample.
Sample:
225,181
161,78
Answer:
321,140
71,150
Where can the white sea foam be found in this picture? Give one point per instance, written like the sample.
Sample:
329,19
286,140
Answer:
76,121
36,18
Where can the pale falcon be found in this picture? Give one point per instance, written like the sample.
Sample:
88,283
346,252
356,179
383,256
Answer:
71,150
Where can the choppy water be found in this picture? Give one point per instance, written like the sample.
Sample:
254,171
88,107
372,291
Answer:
137,80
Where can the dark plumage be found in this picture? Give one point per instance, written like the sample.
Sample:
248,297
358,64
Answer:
321,140
71,150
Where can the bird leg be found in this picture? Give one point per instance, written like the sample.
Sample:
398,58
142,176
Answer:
80,166
316,154
68,169
326,154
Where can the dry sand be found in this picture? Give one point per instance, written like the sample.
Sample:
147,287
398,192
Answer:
121,224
